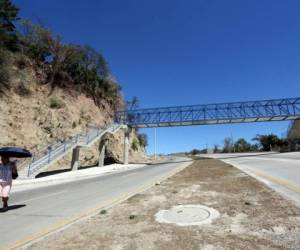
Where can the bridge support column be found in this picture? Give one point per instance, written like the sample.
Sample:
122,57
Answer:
102,148
126,146
75,163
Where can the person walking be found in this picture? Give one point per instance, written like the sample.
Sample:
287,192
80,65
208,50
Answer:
8,169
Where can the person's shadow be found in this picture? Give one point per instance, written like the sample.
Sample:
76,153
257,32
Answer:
13,207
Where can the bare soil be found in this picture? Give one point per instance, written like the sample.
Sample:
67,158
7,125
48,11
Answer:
28,120
252,216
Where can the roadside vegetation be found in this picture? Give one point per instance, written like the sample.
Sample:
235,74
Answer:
51,90
67,66
55,103
260,143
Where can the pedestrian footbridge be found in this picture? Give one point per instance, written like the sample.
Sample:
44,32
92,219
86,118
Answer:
220,113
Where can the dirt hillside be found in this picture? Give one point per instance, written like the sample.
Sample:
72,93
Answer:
32,115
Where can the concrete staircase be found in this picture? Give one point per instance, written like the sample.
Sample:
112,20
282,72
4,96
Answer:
42,160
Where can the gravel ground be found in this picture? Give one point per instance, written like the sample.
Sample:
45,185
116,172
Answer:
252,216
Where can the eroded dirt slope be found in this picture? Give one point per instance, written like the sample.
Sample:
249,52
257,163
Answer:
34,116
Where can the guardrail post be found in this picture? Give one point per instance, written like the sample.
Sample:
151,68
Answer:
87,139
64,147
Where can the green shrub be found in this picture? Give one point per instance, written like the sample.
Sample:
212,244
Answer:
74,125
143,139
22,61
55,103
22,90
103,211
135,144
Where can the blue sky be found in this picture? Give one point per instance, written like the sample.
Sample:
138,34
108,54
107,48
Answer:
175,52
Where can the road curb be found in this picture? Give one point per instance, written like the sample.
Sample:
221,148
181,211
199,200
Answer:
36,183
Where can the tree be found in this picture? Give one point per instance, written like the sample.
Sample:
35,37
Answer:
95,62
131,105
241,145
195,151
267,141
203,151
37,42
228,145
68,66
134,103
216,148
8,14
254,147
143,139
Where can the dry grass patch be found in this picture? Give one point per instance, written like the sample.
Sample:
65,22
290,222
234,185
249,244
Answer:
252,216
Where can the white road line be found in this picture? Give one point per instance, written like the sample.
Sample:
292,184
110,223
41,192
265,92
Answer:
44,196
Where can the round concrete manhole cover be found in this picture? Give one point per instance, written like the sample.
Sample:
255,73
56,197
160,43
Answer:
187,215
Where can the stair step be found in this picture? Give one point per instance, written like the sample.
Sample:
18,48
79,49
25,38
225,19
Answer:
59,150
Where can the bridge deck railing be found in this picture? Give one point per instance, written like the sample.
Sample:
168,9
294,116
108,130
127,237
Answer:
253,111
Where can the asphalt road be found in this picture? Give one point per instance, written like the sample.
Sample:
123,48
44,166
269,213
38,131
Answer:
280,171
37,211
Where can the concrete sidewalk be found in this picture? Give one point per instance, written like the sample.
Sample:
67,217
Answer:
20,185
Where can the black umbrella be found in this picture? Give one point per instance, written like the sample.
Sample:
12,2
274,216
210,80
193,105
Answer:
15,152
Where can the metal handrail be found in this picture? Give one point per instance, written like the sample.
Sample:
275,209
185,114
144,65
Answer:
58,149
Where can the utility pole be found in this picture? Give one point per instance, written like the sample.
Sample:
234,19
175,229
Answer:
155,144
232,140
